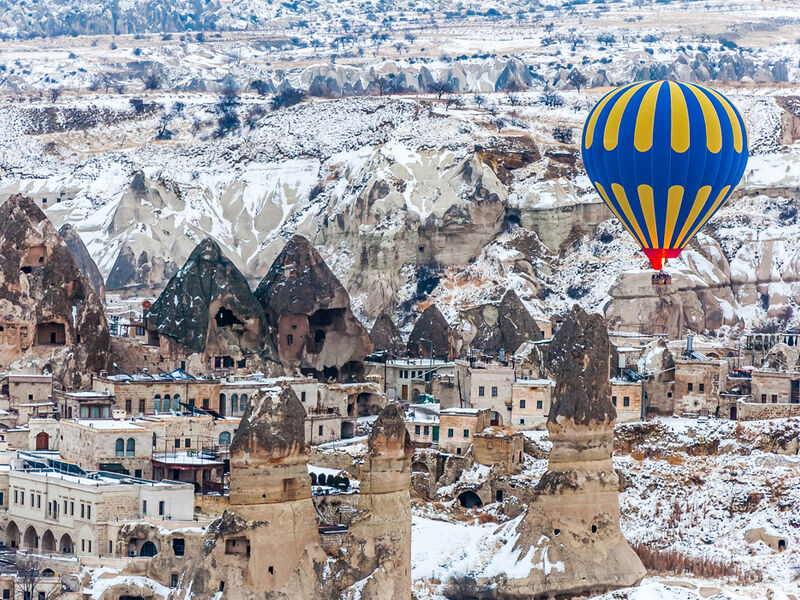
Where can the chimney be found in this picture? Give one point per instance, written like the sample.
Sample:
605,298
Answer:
689,348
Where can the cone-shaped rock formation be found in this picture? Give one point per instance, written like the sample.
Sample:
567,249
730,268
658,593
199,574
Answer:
83,259
386,336
49,312
431,328
310,310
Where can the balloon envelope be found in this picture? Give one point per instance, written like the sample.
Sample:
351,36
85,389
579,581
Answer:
664,156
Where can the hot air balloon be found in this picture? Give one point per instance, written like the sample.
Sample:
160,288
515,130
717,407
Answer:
664,156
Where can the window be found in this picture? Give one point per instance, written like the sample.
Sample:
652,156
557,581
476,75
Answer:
83,510
449,433
142,405
83,545
481,391
494,391
157,403
243,402
144,507
128,406
88,517
161,508
130,447
6,594
466,433
177,442
187,443
774,398
65,507
289,339
71,508
302,396
417,429
173,580
689,387
763,398
22,498
626,401
320,430
137,473
224,438
176,403
89,544
458,450
38,501
522,421
426,431
522,403
178,546
16,499
614,400
539,404
205,403
702,387
120,447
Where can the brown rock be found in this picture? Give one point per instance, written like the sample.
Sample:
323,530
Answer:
432,326
506,325
386,336
316,330
208,308
49,312
83,259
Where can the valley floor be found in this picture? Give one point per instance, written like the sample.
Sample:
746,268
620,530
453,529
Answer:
692,492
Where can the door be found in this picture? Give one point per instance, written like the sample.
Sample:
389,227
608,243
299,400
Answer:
42,441
795,395
435,433
404,392
733,413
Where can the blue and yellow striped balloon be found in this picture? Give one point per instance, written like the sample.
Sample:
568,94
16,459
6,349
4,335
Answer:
664,156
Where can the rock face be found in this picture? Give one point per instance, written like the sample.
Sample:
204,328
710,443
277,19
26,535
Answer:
386,336
570,536
502,326
83,259
267,543
309,309
431,327
207,309
49,312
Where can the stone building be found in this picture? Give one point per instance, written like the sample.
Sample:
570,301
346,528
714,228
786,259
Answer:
458,426
272,540
404,379
147,394
626,396
84,404
502,446
422,422
23,388
569,541
50,315
530,403
308,309
698,383
81,513
487,385
775,387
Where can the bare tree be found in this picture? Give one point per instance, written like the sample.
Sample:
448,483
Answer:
55,94
385,85
577,79
452,100
29,579
440,87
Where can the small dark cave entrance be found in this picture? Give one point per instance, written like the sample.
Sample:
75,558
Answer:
226,318
511,220
469,499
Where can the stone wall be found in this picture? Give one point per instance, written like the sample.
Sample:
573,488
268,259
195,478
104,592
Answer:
752,411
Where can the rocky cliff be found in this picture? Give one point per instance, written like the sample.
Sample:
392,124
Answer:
385,335
50,316
501,326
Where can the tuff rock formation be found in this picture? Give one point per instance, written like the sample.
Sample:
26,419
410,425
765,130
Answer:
506,325
660,363
309,309
83,259
267,543
208,310
570,536
49,313
386,336
431,331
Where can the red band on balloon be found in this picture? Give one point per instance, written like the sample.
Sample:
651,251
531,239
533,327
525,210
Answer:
658,256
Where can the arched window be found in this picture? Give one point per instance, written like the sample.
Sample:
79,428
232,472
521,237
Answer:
157,403
243,402
176,403
120,447
224,438
234,403
131,447
166,402
148,549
